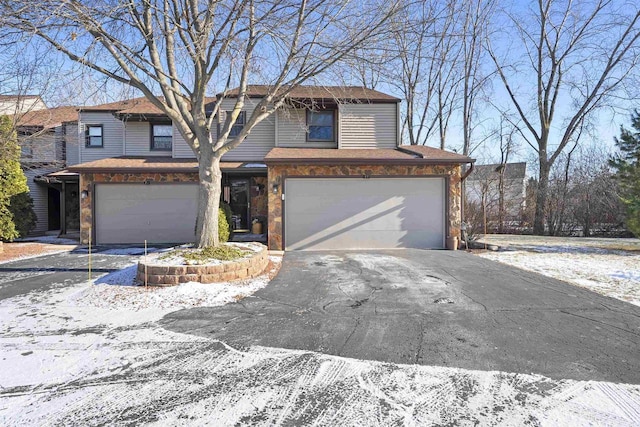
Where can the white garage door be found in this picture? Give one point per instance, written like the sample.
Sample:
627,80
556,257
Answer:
354,213
133,213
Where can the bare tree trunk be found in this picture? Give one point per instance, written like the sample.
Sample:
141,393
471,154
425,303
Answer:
541,197
209,191
501,206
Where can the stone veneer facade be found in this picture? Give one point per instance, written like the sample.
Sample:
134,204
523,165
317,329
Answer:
87,181
278,173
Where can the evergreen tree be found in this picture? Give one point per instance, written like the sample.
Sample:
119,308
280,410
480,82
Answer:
627,166
12,179
24,217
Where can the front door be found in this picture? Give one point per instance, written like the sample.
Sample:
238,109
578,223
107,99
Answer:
240,205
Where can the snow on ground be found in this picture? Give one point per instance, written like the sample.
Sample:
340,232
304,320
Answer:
52,240
69,358
174,257
610,267
127,251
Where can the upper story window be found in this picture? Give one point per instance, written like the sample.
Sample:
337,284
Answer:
321,125
239,125
161,136
94,136
26,145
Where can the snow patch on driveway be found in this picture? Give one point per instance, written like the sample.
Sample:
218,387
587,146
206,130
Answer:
608,272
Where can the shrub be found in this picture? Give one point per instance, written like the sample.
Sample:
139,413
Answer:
223,226
222,252
24,218
12,179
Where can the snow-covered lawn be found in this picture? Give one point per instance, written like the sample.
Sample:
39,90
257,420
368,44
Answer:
608,266
90,354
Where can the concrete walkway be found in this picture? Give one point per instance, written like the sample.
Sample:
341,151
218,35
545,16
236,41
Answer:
431,308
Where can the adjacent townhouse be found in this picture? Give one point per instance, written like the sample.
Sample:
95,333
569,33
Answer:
45,137
12,105
326,171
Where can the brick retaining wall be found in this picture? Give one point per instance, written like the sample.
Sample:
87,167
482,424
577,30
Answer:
165,275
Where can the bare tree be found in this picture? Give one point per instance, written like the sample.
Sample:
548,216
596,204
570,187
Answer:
507,146
595,204
424,71
475,29
175,52
579,54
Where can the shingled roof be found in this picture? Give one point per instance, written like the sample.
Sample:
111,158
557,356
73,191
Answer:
49,118
363,156
345,93
136,164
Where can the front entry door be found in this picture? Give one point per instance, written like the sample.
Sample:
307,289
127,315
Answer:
240,205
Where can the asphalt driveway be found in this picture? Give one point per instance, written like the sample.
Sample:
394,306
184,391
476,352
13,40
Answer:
432,308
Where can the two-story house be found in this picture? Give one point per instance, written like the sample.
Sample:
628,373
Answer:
488,182
45,136
326,171
13,105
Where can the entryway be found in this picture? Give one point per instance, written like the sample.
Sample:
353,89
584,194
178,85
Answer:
247,198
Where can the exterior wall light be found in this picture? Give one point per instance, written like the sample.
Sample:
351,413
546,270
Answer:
84,194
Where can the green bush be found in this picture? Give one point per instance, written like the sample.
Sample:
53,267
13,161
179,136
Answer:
24,218
223,227
12,179
224,212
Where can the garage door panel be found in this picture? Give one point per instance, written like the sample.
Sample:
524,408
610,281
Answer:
325,213
133,213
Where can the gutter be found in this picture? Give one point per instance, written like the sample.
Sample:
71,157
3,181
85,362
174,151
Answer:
362,161
467,173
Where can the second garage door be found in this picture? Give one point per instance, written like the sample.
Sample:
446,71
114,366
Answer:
133,213
354,213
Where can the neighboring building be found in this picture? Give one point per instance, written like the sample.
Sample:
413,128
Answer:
45,136
11,105
329,177
484,185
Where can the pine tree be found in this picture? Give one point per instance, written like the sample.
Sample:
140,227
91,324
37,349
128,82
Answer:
12,179
627,166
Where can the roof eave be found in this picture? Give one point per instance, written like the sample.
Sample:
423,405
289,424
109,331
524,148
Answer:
131,170
363,161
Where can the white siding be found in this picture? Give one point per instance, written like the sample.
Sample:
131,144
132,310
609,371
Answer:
368,126
180,148
39,194
138,140
292,130
259,142
71,141
112,134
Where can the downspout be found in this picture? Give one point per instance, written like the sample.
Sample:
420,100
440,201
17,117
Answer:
463,231
124,135
467,173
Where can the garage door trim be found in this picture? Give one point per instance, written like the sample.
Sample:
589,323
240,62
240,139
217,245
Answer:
94,197
447,190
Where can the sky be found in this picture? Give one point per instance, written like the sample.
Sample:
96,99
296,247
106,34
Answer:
74,85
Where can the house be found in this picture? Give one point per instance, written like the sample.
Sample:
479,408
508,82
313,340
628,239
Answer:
485,184
11,105
45,136
326,171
